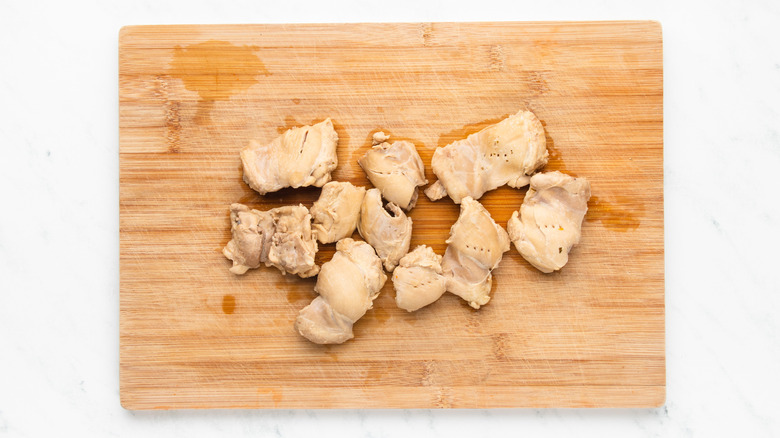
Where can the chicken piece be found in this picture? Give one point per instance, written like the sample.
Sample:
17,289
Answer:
293,245
504,153
251,231
436,191
395,169
348,285
550,219
475,247
418,279
280,237
387,229
335,214
302,156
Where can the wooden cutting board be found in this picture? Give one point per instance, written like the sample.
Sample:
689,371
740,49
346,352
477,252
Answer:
193,335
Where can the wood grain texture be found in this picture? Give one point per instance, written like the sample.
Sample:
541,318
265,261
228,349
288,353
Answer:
193,335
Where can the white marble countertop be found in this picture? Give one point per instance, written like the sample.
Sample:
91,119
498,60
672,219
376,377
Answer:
59,286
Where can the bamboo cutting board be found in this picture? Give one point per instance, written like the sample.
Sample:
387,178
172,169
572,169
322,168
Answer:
193,335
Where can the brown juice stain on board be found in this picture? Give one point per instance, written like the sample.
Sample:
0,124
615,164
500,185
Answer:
228,304
554,160
248,199
289,123
431,222
298,296
324,253
502,202
410,318
614,215
249,195
296,288
216,70
380,315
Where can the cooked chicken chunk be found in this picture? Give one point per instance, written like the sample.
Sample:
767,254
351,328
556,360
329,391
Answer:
436,191
387,229
504,153
348,285
395,169
475,247
302,156
335,214
293,245
251,231
550,219
418,279
280,237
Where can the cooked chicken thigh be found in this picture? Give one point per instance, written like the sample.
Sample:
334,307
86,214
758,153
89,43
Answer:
387,229
505,153
293,245
395,169
348,285
335,214
418,279
302,156
280,237
475,247
251,231
550,219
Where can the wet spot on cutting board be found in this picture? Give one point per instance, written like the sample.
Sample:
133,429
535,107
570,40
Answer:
554,160
619,214
216,69
297,296
228,304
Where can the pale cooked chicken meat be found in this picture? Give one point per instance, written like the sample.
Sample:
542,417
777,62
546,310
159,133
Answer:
335,214
293,245
387,229
302,156
550,219
396,169
507,152
475,247
347,286
251,231
418,279
280,237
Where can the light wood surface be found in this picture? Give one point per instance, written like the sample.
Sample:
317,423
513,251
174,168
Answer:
193,335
